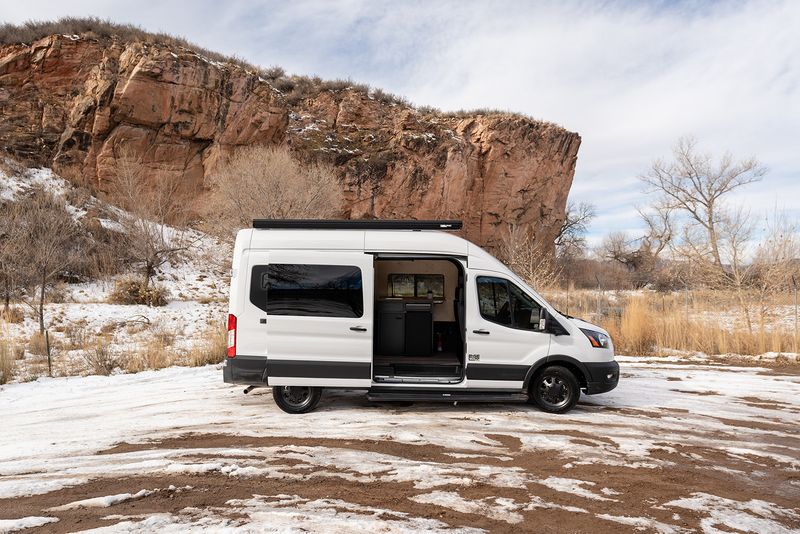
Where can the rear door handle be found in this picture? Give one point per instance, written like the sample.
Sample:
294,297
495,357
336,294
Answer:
358,329
481,332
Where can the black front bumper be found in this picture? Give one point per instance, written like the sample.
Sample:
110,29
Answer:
251,371
601,376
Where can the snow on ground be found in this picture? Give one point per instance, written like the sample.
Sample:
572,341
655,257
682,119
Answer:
677,447
80,318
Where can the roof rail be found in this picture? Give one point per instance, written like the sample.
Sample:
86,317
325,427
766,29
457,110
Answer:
358,224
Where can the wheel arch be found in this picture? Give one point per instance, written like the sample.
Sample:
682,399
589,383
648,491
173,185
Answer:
575,366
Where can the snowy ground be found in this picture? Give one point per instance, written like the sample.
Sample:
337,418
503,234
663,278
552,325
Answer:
677,447
80,317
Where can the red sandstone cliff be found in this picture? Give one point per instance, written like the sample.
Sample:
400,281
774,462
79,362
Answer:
76,103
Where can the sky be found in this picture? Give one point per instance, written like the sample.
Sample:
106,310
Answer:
630,77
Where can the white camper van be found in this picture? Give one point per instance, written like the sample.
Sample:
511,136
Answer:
404,311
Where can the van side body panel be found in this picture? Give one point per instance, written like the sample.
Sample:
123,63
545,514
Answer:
328,352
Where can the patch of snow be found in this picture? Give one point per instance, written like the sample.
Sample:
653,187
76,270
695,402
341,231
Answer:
645,524
750,516
499,509
15,525
103,502
573,486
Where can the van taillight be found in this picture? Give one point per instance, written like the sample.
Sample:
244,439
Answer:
231,335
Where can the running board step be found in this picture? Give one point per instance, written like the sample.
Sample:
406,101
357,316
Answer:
432,396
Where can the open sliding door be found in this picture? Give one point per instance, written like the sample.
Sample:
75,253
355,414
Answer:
319,319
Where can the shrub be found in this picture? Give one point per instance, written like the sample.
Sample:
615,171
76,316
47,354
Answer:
211,348
12,315
77,336
153,355
37,344
8,354
102,359
132,291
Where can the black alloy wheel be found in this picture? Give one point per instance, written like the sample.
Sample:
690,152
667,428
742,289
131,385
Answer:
296,399
555,389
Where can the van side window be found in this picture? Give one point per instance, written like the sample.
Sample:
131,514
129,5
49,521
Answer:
308,290
502,302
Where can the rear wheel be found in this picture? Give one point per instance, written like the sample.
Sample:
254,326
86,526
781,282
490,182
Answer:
555,389
296,399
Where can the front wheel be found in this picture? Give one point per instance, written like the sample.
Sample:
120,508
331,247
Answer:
296,399
555,389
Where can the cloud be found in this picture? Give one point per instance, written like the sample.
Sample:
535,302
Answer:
630,77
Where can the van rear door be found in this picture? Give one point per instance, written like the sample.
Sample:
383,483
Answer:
319,310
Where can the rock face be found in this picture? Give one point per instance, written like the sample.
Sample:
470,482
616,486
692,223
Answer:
79,105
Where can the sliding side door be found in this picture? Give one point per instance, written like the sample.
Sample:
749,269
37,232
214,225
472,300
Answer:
319,310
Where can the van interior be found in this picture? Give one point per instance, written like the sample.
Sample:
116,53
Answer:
419,320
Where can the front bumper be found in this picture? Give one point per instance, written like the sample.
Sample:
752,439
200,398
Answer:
601,376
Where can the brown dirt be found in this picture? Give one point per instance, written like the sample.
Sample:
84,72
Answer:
642,492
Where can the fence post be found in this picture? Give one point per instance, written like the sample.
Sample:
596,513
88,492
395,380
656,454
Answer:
47,349
686,293
599,292
794,285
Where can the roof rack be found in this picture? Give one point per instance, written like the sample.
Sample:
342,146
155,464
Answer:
358,224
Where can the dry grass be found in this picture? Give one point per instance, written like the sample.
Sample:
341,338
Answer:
8,354
132,291
12,315
649,322
102,359
211,348
37,344
153,355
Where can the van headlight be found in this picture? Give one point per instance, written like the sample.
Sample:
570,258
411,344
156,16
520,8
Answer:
598,340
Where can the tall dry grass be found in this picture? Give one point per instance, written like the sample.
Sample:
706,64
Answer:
7,356
647,323
211,348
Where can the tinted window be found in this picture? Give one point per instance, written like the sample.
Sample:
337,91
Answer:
308,290
502,302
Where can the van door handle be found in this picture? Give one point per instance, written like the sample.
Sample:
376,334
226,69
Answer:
358,329
481,332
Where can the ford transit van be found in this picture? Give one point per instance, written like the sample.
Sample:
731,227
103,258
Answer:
403,310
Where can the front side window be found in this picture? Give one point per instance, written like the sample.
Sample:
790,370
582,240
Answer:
308,290
503,302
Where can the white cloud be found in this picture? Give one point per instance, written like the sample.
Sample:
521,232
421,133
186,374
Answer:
629,77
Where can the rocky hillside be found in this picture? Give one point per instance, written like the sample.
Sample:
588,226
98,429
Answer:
76,103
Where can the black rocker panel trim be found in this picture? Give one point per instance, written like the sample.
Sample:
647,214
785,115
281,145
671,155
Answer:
319,369
485,371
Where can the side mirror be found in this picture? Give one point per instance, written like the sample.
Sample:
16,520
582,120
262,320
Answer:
543,317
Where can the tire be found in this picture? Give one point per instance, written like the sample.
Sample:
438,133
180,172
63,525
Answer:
555,389
296,399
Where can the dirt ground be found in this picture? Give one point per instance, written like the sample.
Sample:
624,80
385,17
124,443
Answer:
677,448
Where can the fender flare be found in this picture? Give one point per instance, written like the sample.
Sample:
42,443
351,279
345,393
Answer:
553,359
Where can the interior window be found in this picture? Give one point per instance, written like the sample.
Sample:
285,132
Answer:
401,285
503,302
416,285
308,290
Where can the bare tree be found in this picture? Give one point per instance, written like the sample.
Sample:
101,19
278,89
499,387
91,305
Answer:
260,182
153,223
11,249
529,257
660,228
641,255
52,242
571,239
694,184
